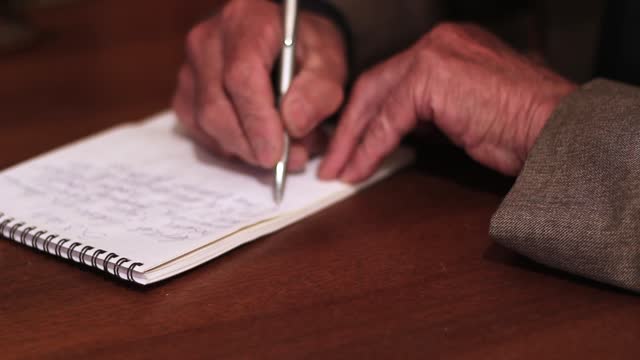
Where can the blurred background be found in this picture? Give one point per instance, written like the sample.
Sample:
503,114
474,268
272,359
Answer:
78,66
82,65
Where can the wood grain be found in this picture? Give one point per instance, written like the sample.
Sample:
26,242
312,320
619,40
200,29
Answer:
403,270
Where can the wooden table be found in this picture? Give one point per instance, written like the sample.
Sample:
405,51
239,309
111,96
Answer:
405,269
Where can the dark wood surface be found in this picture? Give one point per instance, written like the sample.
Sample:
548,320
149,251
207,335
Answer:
403,270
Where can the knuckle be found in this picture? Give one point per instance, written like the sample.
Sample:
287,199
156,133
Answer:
239,74
364,82
193,40
399,124
233,9
261,18
394,121
256,124
435,55
445,30
455,37
196,39
271,31
428,56
383,131
183,76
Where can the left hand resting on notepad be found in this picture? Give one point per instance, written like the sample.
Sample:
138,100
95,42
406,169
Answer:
484,96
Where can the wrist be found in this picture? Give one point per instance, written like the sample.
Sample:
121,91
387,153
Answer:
547,104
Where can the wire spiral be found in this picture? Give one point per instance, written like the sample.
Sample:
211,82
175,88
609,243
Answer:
78,252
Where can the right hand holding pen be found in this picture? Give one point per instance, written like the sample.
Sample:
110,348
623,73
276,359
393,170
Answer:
225,97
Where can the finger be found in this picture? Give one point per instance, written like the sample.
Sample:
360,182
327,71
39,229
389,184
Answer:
383,134
247,80
186,102
213,115
183,102
369,92
218,120
315,94
304,149
184,106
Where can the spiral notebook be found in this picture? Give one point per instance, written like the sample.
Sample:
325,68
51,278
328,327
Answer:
143,203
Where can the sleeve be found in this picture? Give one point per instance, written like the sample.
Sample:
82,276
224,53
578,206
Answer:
380,28
576,204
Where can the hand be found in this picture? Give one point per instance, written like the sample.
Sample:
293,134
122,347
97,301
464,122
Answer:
481,94
225,98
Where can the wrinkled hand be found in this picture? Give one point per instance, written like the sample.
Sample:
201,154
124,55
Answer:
225,97
481,94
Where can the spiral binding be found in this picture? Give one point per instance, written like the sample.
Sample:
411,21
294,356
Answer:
41,240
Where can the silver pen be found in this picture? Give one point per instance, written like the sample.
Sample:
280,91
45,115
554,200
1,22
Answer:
287,70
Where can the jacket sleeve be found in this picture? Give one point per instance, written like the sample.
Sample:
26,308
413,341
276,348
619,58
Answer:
576,204
379,28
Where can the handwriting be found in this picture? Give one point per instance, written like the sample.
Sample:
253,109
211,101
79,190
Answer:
163,206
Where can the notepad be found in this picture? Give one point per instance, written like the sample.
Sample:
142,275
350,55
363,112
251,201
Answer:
143,203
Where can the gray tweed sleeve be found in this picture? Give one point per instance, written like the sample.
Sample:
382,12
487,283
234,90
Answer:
576,204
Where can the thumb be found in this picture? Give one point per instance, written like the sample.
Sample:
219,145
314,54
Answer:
316,93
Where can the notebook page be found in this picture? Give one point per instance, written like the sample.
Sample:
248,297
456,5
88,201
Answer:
395,161
147,193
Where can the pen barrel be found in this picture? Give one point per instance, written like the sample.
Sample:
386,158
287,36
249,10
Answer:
288,55
287,69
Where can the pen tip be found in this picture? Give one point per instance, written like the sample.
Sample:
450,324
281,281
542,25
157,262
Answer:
279,179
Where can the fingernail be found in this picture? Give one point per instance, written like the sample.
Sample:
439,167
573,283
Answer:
323,171
348,175
298,159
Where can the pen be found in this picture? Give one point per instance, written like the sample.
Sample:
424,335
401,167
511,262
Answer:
287,69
